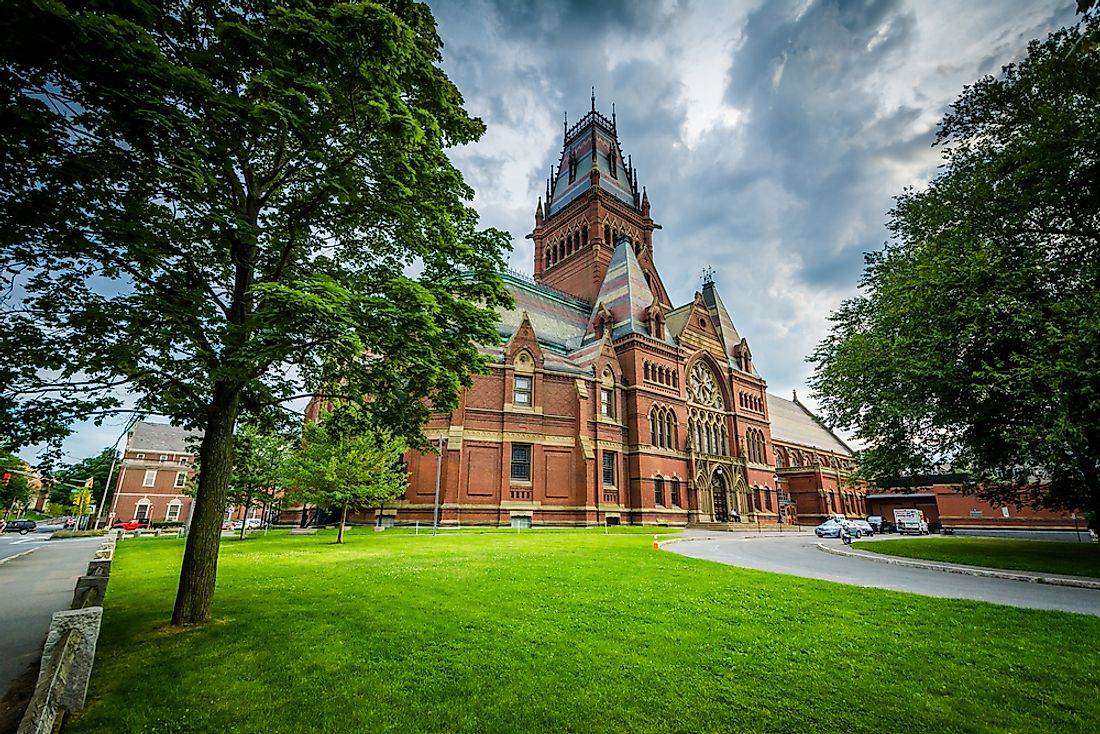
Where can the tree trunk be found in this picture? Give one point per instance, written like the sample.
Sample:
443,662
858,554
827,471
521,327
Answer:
343,519
195,597
244,514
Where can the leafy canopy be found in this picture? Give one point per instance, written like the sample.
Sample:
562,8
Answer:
219,206
216,193
344,464
977,339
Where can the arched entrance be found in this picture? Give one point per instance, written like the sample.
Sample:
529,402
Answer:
718,493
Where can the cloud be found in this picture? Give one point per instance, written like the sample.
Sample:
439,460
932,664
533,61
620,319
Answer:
771,136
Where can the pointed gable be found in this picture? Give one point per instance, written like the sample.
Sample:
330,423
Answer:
523,339
731,340
624,294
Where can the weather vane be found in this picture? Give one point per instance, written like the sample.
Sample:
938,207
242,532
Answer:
708,275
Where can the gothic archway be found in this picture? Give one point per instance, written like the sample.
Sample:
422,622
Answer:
718,496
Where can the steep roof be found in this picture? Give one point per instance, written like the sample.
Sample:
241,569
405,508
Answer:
793,423
161,438
559,320
624,292
591,143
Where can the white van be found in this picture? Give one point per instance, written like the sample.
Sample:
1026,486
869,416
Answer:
911,521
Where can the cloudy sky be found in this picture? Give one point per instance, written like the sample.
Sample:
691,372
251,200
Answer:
771,136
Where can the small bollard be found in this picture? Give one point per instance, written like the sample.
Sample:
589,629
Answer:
656,545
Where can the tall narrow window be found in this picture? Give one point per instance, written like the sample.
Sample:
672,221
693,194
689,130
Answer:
659,492
521,394
173,513
141,512
607,402
521,462
609,468
181,479
675,484
150,478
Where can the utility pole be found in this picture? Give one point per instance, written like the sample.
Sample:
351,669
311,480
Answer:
438,473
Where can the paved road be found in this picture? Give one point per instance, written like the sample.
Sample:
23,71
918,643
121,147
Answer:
32,588
799,556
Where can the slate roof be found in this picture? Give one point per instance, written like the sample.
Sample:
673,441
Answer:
792,423
625,293
161,438
721,317
593,129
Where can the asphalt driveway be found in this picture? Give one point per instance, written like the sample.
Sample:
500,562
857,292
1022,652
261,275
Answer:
798,555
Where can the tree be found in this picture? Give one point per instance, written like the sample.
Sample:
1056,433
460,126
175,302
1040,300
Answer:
260,459
15,492
220,206
977,339
341,464
97,468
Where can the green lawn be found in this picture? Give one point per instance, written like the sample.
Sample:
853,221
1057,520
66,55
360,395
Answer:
569,631
1076,559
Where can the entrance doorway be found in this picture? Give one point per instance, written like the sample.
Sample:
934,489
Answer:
718,490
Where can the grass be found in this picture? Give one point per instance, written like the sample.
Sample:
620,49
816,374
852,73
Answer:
1045,556
564,632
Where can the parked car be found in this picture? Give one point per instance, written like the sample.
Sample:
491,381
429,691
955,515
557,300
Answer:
133,524
21,526
875,521
830,528
865,527
231,525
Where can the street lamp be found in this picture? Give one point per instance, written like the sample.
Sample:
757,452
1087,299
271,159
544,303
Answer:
438,472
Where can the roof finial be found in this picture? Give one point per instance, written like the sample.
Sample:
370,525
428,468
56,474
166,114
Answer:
593,98
794,395
564,124
612,115
708,276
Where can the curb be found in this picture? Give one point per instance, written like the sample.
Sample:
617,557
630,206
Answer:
964,570
18,555
722,535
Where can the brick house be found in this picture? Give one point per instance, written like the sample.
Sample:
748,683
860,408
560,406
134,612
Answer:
156,465
608,403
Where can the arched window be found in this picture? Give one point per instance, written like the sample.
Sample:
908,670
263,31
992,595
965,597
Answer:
675,487
172,514
607,234
584,236
142,510
779,459
659,491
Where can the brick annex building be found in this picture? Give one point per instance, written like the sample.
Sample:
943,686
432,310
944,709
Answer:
607,402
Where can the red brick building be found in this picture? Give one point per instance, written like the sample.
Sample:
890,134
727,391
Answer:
156,465
944,504
606,401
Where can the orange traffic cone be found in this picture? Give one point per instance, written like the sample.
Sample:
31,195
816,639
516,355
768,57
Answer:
656,545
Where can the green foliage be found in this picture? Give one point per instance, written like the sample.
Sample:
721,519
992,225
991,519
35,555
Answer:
345,465
566,632
17,492
97,468
219,207
260,468
977,339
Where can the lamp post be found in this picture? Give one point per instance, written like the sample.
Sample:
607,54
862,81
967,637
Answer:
438,473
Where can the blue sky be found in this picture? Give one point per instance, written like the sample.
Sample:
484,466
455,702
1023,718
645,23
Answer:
771,136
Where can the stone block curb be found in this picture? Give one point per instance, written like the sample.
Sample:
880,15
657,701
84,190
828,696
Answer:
1033,578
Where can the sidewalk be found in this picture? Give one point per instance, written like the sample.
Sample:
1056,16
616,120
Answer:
997,573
